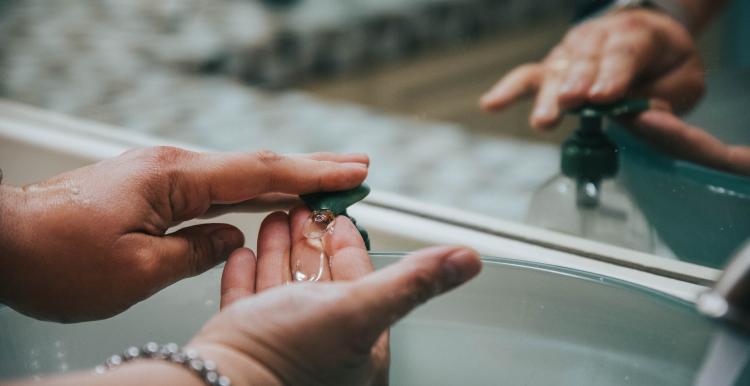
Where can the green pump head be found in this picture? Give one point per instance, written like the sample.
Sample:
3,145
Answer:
337,203
588,156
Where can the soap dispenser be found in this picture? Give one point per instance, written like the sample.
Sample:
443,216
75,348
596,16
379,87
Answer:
586,199
325,206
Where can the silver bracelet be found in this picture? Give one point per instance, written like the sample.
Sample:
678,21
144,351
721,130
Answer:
169,352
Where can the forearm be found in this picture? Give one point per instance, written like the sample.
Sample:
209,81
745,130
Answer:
138,373
11,226
241,370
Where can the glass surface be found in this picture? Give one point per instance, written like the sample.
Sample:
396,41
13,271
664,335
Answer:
614,218
516,324
397,80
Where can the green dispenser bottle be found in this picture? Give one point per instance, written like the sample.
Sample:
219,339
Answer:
336,203
586,199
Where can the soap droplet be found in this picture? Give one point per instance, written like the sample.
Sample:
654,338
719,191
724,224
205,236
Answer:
319,224
300,274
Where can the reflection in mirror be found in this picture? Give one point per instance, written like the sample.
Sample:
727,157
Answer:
401,80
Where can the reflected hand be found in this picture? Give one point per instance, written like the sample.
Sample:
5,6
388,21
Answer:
677,138
327,333
92,242
639,53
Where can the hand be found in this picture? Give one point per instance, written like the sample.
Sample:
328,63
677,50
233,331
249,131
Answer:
629,53
327,333
677,138
92,242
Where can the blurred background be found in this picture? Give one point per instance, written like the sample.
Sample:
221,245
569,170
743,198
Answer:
398,80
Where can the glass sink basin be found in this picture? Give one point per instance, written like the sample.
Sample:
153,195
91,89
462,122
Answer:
518,323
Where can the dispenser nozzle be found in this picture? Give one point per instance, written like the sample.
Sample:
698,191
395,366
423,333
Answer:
588,193
588,156
337,203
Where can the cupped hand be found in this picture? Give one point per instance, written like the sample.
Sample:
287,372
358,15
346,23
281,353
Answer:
333,332
92,242
681,140
638,53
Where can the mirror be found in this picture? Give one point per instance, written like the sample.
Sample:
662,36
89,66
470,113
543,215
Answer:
401,81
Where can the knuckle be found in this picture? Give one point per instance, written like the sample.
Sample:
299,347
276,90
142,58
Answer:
526,68
267,156
201,254
267,160
621,48
422,284
145,260
163,155
631,20
575,34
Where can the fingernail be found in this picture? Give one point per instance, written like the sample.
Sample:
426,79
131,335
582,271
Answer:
541,113
226,240
486,98
355,165
598,88
460,266
357,155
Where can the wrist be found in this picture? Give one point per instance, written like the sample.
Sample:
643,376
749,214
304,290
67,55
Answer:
151,371
674,10
238,367
12,227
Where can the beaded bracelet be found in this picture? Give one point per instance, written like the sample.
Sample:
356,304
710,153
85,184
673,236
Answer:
169,352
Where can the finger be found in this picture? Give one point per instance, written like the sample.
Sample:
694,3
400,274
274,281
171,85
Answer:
389,294
336,157
739,160
584,45
623,59
268,202
681,140
193,250
577,82
274,247
683,87
236,177
546,112
307,260
520,82
347,252
238,278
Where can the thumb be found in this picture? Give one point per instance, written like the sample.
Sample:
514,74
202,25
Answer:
389,294
193,250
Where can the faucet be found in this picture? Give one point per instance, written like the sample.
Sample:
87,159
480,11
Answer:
729,299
